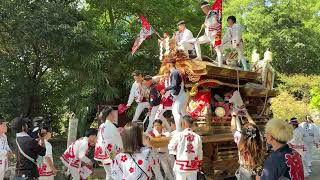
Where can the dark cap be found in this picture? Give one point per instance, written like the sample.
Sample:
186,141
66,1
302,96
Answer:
105,113
204,4
147,78
17,124
181,22
136,73
2,120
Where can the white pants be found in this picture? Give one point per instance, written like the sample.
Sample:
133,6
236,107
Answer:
107,168
74,173
157,172
179,107
186,46
165,164
3,167
141,106
204,40
239,50
46,177
159,115
308,153
186,175
152,118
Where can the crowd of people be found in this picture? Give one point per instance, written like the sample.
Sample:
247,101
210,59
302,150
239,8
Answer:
127,153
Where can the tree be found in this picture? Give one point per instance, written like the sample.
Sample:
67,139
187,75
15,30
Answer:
284,106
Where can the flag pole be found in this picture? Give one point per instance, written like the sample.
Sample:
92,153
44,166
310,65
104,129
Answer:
156,32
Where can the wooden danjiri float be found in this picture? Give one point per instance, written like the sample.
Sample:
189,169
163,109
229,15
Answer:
210,88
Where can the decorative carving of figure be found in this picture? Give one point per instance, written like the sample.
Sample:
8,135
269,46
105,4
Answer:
264,68
164,44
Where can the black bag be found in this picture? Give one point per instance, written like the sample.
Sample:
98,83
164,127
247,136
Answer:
201,176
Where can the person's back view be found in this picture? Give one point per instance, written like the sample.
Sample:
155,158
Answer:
188,146
28,150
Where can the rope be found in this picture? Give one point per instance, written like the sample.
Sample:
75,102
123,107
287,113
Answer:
265,103
199,32
238,80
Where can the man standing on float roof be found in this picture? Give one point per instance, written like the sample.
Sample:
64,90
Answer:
211,26
180,97
232,39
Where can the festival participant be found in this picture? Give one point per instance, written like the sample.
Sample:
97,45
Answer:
172,153
47,169
158,132
166,100
154,100
310,138
135,162
137,94
283,162
296,143
232,39
76,156
109,142
182,36
5,150
188,146
250,147
180,97
29,149
211,28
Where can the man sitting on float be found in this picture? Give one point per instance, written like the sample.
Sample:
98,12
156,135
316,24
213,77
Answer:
182,37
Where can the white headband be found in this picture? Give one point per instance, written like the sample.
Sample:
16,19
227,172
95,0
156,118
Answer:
205,5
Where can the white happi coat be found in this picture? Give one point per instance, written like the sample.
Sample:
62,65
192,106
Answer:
4,150
135,93
139,166
233,35
310,133
76,153
109,143
182,40
45,170
211,26
188,146
310,138
296,142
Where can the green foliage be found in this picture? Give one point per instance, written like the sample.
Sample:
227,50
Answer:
315,100
284,106
57,56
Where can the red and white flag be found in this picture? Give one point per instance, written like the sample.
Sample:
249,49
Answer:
217,6
145,32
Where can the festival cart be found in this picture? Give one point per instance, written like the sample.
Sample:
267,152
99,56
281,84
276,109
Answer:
209,88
